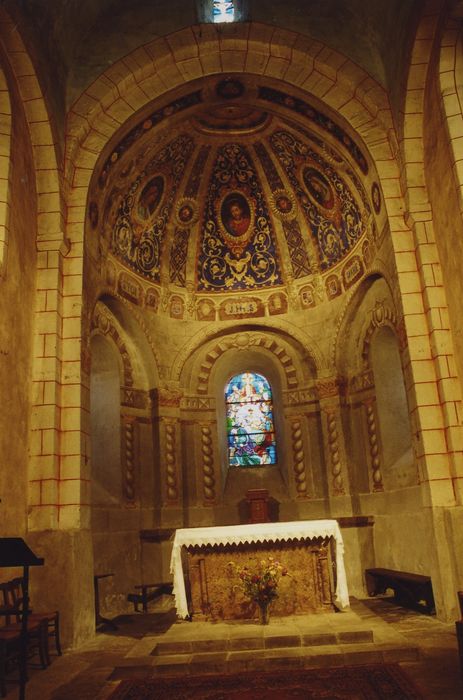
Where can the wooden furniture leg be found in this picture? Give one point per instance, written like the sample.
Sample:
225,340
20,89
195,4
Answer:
99,619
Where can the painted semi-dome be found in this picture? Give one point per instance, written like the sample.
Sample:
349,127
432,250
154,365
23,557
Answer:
247,190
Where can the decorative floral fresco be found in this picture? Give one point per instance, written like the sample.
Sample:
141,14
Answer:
284,207
237,248
186,215
143,127
145,210
329,207
318,118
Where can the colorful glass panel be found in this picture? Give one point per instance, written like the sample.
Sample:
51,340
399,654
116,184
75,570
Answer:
250,426
223,11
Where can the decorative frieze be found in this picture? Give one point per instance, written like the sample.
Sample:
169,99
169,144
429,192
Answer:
300,397
133,398
361,381
198,403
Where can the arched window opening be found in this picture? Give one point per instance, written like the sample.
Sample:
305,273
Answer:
250,425
223,11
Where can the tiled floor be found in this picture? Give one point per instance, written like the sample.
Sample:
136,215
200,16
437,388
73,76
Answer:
373,630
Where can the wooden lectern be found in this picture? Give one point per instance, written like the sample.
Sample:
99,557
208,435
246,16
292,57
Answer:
15,552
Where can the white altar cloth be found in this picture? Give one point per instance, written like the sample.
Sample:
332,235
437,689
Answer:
260,532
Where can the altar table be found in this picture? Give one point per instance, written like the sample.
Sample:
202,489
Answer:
299,533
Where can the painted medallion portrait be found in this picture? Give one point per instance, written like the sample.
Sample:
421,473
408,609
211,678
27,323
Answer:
186,211
376,197
150,197
318,187
185,214
283,205
236,214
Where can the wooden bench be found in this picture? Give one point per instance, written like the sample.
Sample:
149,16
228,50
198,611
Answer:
410,590
147,592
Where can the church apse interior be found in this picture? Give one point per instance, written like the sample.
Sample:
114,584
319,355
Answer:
273,198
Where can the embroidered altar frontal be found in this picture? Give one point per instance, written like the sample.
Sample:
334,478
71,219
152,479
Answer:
311,550
216,594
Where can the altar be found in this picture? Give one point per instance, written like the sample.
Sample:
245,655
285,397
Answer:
312,551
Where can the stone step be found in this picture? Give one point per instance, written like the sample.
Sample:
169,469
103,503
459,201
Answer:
264,659
265,640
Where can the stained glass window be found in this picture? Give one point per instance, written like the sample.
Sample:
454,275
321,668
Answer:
250,427
223,11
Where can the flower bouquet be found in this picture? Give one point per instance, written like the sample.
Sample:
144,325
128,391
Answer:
260,583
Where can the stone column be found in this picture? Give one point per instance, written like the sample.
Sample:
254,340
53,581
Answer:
298,455
207,430
167,448
129,454
335,453
374,454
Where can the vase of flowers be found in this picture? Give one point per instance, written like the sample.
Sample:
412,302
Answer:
259,583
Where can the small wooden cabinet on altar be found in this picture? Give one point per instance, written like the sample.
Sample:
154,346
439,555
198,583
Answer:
311,551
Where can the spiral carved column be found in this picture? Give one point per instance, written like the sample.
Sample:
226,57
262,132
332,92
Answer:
128,481
328,391
376,474
171,461
207,459
335,457
298,458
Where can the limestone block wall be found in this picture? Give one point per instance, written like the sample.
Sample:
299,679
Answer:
444,126
17,301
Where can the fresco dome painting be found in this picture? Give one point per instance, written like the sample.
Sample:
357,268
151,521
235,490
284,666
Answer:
262,188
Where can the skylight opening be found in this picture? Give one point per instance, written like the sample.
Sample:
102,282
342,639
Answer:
223,11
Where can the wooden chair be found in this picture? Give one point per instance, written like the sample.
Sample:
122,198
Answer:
10,638
49,619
